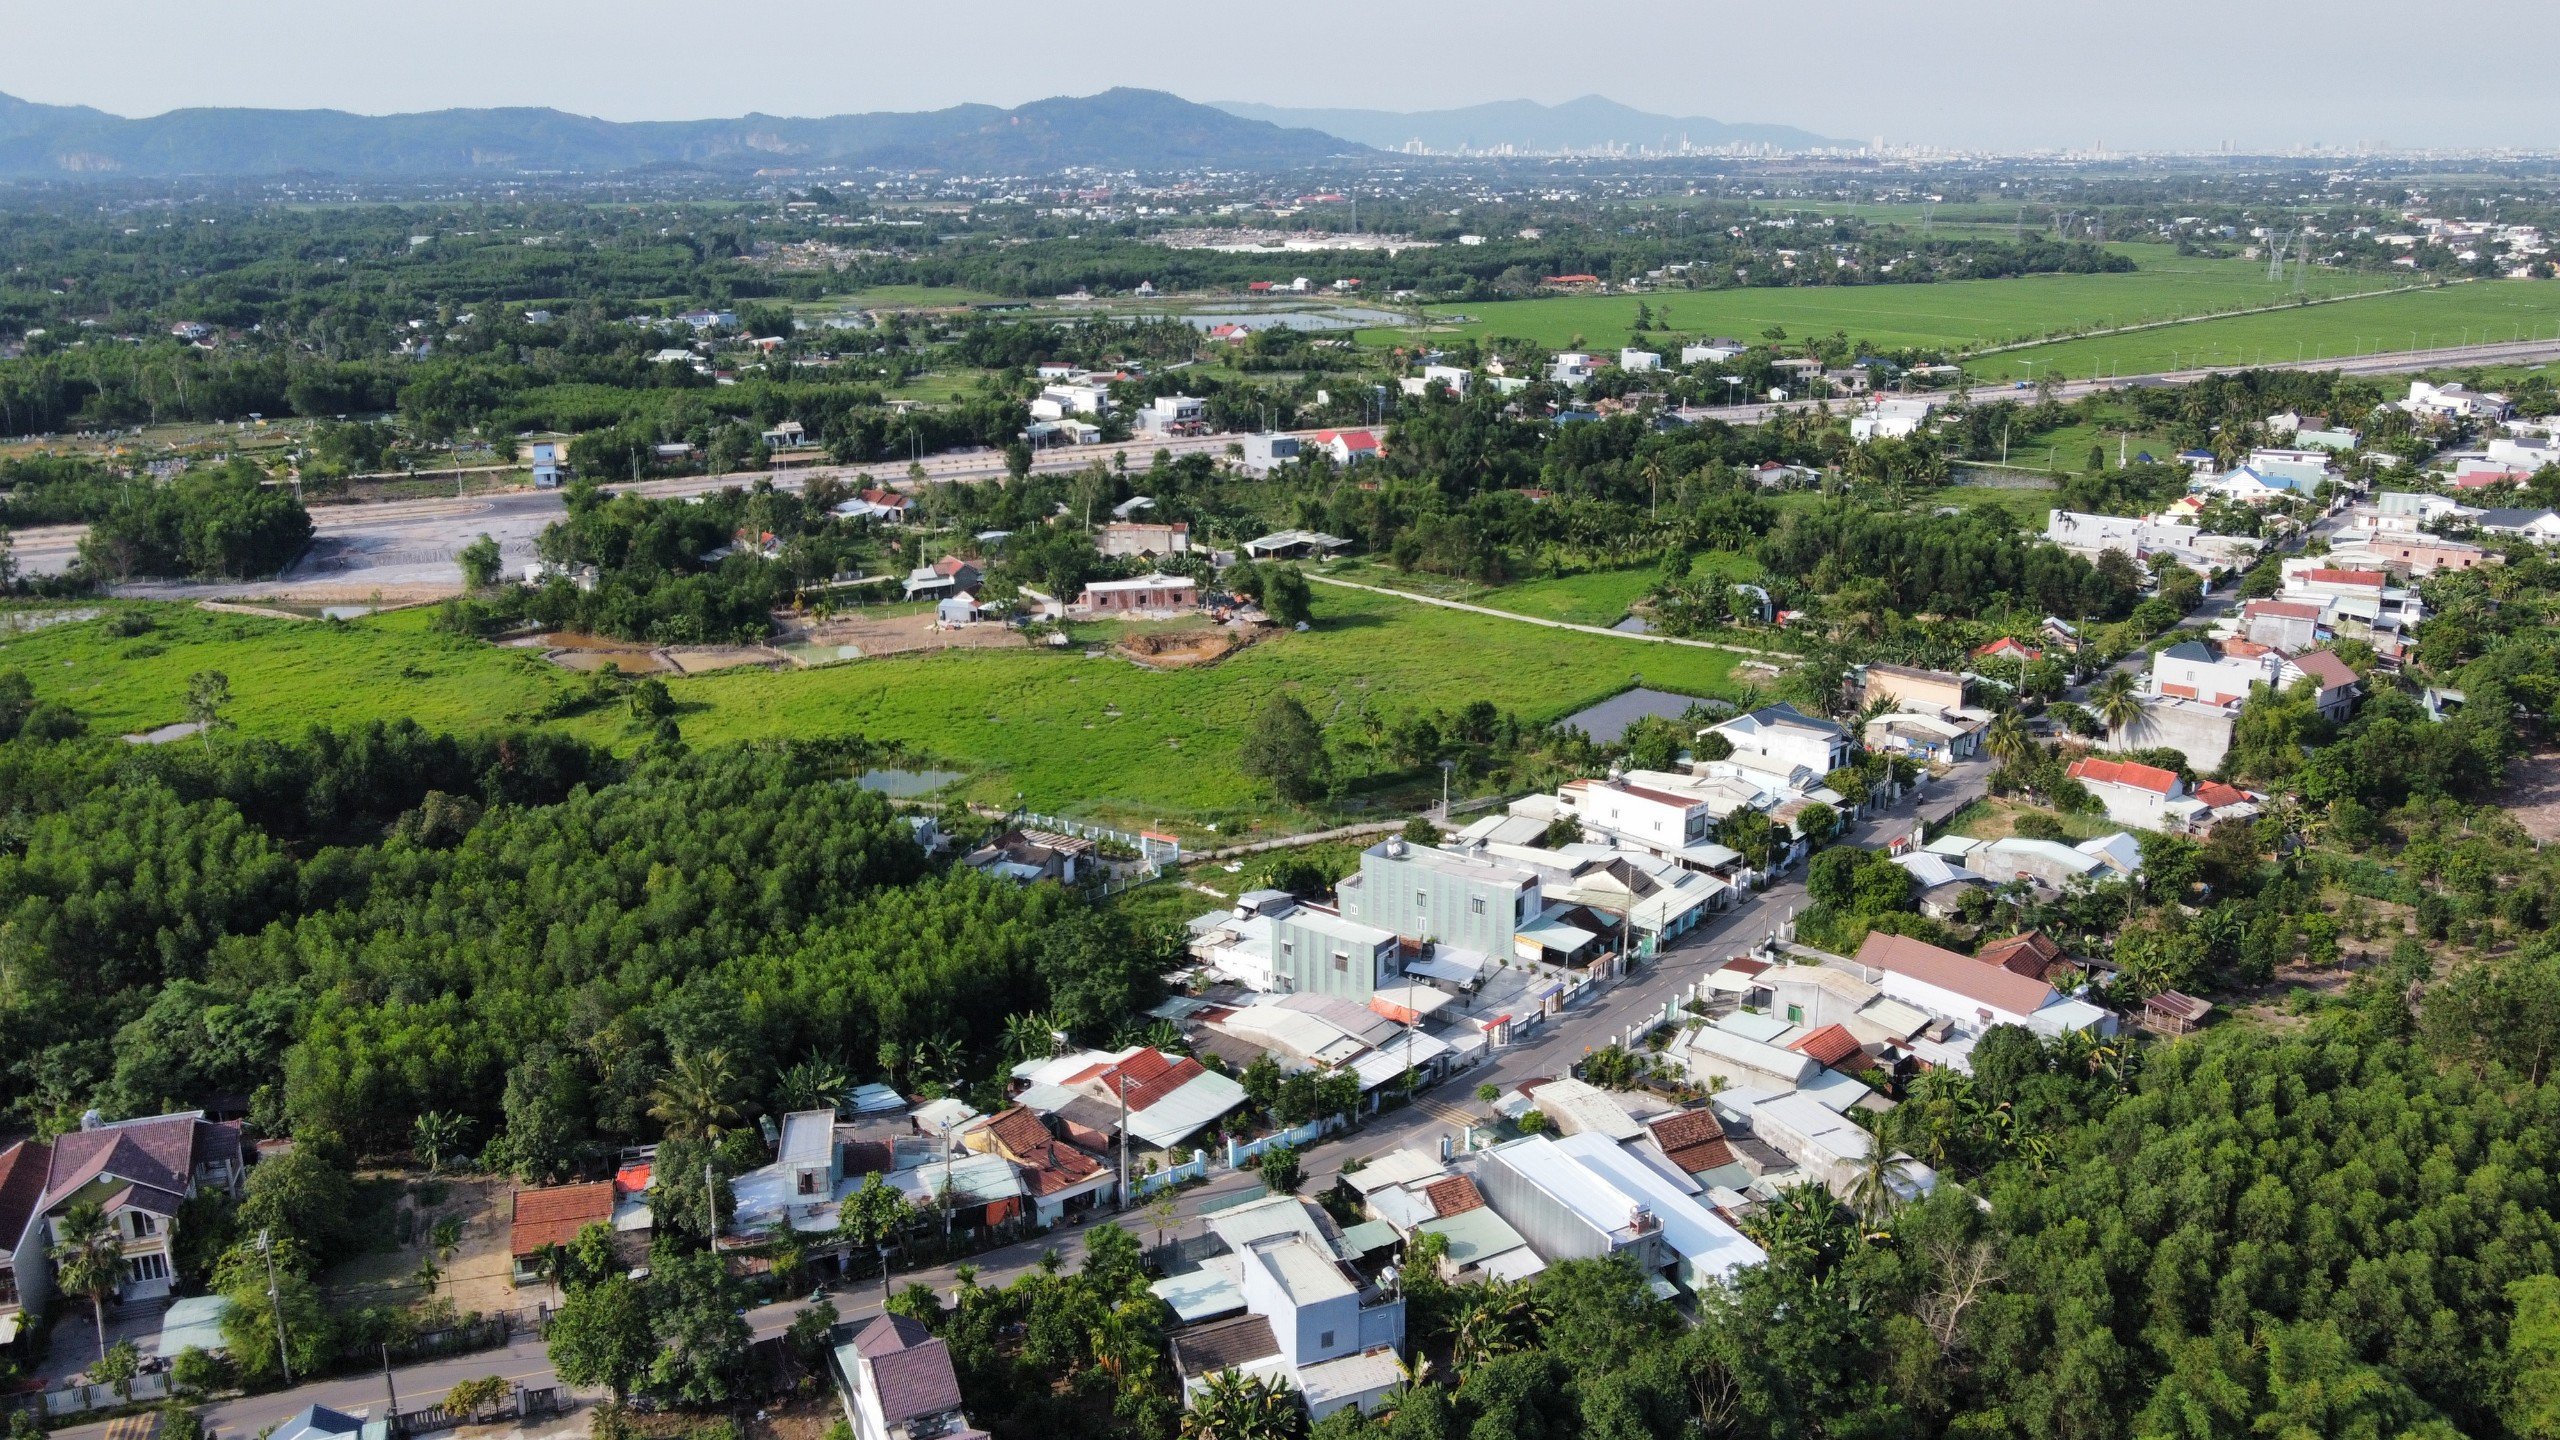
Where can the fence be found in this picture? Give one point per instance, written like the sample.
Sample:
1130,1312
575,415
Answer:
76,1399
1194,1168
1245,1152
1156,850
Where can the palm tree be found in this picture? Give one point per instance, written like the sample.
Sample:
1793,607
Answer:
1498,1317
1871,1191
89,1260
437,1136
812,1084
1237,1406
2116,702
697,1099
2008,740
1030,1036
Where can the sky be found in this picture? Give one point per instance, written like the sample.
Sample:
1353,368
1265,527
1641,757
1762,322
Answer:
2005,74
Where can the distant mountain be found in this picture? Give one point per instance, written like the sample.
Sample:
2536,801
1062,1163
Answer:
1590,123
1118,129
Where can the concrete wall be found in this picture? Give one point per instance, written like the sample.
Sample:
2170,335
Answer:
2201,733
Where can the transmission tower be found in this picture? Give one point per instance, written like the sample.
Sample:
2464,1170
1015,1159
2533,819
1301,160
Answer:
2302,263
2275,256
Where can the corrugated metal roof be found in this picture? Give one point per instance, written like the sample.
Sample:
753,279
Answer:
1475,1236
1713,1248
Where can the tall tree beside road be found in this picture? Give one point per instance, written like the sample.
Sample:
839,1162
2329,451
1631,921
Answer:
697,1311
2008,740
602,1336
89,1260
2117,701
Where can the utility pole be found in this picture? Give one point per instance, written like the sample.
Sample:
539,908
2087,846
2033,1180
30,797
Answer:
394,1390
1120,1079
710,1207
284,1355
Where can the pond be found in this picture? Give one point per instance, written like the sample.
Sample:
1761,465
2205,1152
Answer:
907,784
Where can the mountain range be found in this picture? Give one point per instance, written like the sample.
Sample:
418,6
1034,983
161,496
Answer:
1117,129
1592,123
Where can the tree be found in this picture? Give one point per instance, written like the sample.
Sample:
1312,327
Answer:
1237,1406
812,1083
2117,702
1284,596
437,1136
1418,830
89,1260
208,692
1654,743
117,1365
697,1098
305,1195
695,1310
2008,740
1278,1167
602,1336
2533,1358
1285,748
469,1398
480,563
869,1217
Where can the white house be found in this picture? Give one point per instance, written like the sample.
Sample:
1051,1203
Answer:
1711,352
1573,367
897,1383
2134,794
1632,360
1783,738
1898,418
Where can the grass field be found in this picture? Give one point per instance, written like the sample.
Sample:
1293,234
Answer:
1600,597
2479,311
1951,315
901,297
1097,737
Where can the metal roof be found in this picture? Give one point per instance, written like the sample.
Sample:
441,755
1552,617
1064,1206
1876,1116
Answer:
1713,1248
1475,1236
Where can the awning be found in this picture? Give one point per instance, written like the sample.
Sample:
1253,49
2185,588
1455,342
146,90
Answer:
1555,935
1732,982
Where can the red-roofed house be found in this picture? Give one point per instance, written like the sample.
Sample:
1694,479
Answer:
2339,684
1063,1179
1169,1099
2134,794
26,1276
2032,954
1834,1046
2006,648
1693,1140
898,1383
553,1215
1348,447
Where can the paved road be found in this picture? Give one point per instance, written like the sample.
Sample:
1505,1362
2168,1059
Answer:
1444,1110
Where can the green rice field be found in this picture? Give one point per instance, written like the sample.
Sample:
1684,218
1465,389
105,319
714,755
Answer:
2472,313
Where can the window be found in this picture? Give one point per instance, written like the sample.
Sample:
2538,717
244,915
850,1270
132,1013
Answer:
1421,899
1475,904
145,1224
1795,1014
1325,1341
1342,961
143,1269
808,1182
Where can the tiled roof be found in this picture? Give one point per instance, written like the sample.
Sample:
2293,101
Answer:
1453,1196
2344,577
1829,1045
2125,772
1693,1140
22,1172
1053,1164
1987,985
1183,1073
915,1382
1223,1345
2218,795
2030,954
2282,609
162,1152
887,1334
2326,668
555,1215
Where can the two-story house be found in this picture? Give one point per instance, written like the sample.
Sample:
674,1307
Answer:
140,1172
1424,892
1782,738
26,1281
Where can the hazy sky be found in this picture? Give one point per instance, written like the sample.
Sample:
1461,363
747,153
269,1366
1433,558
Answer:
2014,73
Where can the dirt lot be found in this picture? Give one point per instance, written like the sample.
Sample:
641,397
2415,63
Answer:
1181,649
476,1275
2533,794
863,637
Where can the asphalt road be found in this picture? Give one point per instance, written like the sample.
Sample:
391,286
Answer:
1444,1110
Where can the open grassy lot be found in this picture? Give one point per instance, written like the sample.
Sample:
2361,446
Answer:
1951,315
1099,737
1600,597
2480,311
903,297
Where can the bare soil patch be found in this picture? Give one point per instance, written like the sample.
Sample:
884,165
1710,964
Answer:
1181,649
2533,794
865,637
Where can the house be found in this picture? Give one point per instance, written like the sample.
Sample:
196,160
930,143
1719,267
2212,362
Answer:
1124,538
2303,470
26,1273
1969,995
1148,593
887,507
710,319
1940,737
319,1422
1782,738
2284,624
1028,856
2337,683
1173,415
2245,486
2542,527
1059,401
1588,1196
2006,648
1573,367
551,1216
1455,377
1232,334
1169,1100
1695,1144
1348,447
1899,418
1774,475
1065,1180
1294,545
1266,453
1923,691
139,1172
788,435
897,1383
1632,359
2454,402
947,576
550,460
2033,954
1275,943
1662,822
1428,893
1711,352
960,609
2136,795
1311,1321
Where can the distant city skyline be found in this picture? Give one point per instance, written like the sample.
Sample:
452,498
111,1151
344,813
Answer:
1997,74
